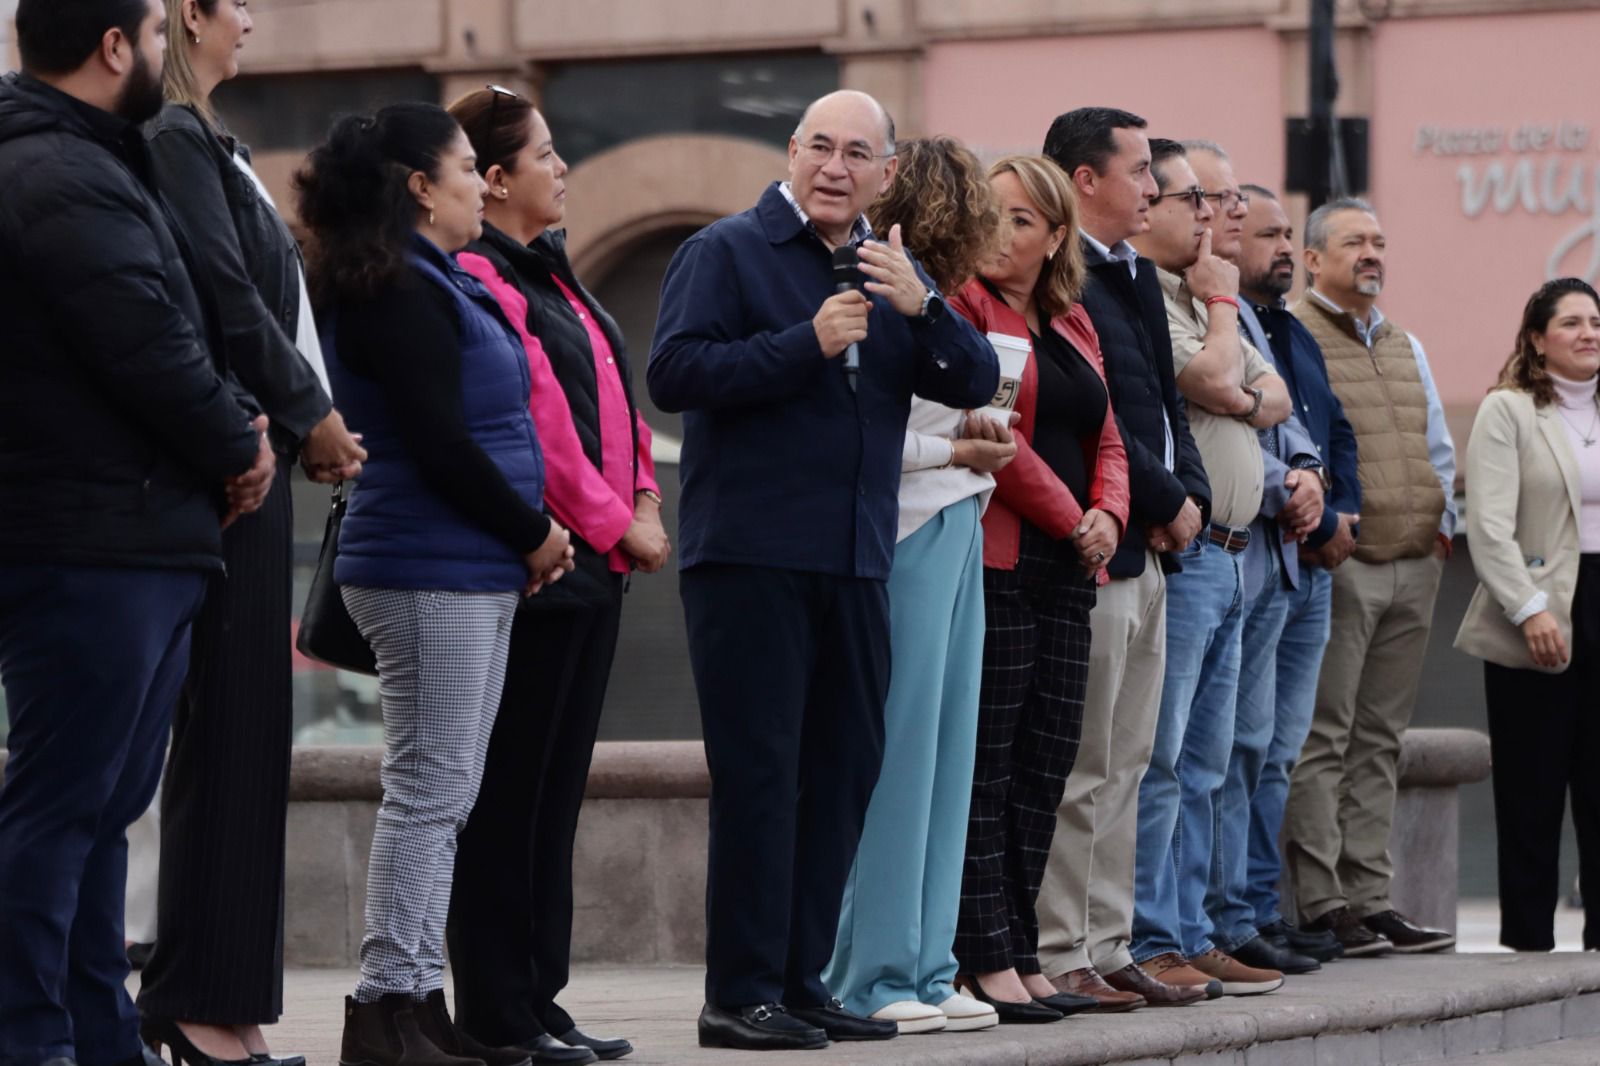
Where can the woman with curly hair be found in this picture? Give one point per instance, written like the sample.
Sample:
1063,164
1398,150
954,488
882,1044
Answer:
892,959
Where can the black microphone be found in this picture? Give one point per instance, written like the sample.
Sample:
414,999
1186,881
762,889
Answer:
846,278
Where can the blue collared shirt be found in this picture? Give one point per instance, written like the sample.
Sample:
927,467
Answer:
783,465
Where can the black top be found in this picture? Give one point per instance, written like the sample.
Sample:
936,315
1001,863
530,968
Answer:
407,339
117,423
1130,316
1071,405
250,261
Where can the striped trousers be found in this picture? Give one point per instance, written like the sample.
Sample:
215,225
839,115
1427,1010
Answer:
441,665
1030,717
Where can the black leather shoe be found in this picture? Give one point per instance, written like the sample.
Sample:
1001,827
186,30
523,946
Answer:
1406,936
1263,954
546,1048
604,1047
767,1027
840,1024
1321,945
1012,1012
264,1059
1068,1003
1352,933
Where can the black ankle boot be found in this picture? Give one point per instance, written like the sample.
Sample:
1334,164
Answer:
389,1033
433,1018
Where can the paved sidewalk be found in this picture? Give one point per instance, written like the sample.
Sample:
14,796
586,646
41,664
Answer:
655,1007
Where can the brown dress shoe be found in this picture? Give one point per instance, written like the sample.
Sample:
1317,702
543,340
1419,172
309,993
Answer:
1085,982
1155,993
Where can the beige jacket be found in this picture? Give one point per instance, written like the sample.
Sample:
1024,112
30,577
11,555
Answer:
1522,526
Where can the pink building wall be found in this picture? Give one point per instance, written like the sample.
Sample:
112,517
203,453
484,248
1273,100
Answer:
999,96
1507,103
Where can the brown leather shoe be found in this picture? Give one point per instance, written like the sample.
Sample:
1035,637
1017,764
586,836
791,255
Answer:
1155,993
1237,978
1085,982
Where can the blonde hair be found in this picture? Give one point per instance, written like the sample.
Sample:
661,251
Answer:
1047,185
178,83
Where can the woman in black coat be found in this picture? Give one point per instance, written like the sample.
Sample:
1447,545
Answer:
510,926
217,973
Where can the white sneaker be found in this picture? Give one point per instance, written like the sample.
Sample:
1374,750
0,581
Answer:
963,1014
911,1016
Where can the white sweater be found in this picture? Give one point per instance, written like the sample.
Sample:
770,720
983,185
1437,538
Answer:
927,485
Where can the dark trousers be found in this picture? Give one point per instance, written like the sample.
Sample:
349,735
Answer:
225,803
91,658
510,927
1030,719
791,670
1544,736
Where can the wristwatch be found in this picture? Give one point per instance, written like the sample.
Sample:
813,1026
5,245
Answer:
932,306
1255,408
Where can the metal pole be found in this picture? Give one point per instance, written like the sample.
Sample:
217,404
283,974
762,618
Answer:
1326,170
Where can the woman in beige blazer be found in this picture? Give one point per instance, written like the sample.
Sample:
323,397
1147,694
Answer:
1533,524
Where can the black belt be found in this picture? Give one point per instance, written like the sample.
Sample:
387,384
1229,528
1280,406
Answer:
1231,539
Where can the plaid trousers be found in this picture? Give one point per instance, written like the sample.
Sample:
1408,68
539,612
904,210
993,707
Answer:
1030,717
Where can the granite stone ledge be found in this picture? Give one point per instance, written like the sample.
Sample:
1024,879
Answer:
622,769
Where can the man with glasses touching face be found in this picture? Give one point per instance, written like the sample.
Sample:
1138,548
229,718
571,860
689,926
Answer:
1232,392
786,533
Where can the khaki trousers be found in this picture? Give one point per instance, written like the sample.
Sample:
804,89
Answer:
1341,795
1085,906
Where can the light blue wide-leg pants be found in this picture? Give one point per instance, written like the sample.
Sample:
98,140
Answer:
900,905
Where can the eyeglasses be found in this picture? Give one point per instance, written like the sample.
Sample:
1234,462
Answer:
856,158
1194,194
1227,198
494,104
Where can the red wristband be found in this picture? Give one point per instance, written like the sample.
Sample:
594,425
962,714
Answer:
1449,546
1222,300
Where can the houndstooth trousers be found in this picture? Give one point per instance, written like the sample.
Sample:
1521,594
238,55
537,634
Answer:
441,665
1030,718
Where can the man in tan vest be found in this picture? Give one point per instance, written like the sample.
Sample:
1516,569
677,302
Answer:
1341,797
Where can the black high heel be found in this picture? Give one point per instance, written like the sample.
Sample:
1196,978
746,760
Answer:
159,1031
262,1058
1030,1012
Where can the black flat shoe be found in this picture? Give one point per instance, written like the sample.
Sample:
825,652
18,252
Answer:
546,1048
264,1059
766,1027
1032,1012
841,1024
1067,1004
604,1047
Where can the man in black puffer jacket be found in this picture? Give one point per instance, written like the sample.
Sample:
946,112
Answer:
1084,927
122,449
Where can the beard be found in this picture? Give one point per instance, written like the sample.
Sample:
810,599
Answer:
1368,286
1269,282
141,97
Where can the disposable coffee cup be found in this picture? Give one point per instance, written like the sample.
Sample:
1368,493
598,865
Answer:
1013,355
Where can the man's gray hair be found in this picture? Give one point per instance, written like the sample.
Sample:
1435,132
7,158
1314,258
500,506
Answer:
1317,224
888,120
1198,144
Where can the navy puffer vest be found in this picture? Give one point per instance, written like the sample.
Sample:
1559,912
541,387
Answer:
398,533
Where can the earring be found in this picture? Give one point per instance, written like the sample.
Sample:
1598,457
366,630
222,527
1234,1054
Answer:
195,37
430,216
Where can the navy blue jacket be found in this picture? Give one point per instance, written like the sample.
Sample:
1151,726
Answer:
1130,315
400,531
783,466
1299,362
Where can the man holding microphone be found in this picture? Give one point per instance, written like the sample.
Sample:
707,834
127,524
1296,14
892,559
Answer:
790,471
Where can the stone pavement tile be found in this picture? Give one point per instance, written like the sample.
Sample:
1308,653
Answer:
1338,1013
1580,1016
1537,1023
1412,1043
1582,1052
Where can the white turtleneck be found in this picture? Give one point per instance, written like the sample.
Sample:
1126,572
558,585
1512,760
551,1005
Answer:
1580,414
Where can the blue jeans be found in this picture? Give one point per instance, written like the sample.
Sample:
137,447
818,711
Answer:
1255,714
1194,738
1305,635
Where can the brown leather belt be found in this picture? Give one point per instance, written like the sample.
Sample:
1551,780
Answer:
1231,539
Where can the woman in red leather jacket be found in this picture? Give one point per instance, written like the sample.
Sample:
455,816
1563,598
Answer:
1057,514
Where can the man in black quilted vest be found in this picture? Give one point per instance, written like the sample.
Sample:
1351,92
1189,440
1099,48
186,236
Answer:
1085,927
